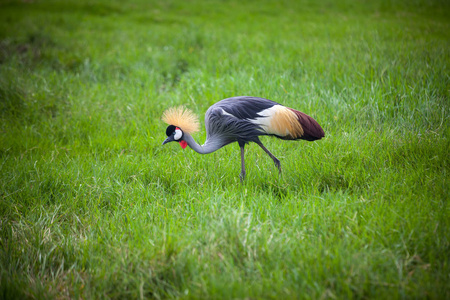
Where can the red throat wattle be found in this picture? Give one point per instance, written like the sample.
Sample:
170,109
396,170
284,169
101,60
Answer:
183,144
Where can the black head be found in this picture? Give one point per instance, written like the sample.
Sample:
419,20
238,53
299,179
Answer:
170,129
174,134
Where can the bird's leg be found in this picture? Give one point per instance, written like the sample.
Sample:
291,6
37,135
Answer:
275,160
242,175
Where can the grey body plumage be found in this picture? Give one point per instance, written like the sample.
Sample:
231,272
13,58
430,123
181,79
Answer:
243,119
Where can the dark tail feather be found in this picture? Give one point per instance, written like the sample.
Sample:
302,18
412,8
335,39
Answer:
311,129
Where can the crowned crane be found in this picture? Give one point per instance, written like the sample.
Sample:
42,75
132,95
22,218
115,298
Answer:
240,119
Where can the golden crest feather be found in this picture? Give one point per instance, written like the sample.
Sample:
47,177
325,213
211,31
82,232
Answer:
181,117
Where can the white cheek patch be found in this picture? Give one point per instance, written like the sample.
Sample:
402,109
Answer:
178,135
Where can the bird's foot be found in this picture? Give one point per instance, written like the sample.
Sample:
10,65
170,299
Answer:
278,165
242,176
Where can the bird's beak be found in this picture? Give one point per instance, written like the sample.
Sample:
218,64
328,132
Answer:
169,139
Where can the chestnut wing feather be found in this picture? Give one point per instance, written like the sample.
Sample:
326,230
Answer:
311,129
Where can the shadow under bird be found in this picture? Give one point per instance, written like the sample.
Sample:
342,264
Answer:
240,119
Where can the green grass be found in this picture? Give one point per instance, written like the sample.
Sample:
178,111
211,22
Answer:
92,206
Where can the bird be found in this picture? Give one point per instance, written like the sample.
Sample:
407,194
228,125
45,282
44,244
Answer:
241,119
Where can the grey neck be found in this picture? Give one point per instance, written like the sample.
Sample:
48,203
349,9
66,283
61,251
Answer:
208,147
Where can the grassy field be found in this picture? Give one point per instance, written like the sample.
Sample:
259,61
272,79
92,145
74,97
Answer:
92,206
